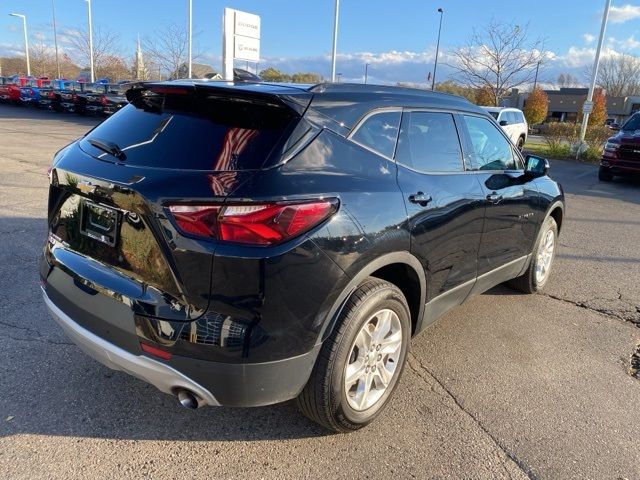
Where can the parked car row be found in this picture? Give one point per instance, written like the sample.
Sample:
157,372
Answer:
97,98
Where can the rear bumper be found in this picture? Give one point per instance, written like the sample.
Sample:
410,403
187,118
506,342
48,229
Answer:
213,383
160,375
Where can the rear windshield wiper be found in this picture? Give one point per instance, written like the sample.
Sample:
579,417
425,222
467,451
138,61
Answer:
109,147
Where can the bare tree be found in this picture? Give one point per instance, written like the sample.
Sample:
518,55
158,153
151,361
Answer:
42,59
619,75
567,80
106,45
498,58
167,49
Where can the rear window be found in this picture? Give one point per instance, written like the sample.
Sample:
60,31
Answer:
194,132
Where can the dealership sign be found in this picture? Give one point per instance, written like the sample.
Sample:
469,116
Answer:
240,39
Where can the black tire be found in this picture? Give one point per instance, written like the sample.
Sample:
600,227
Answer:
604,175
324,399
520,144
527,282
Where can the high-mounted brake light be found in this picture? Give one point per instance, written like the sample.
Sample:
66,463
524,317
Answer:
169,90
252,224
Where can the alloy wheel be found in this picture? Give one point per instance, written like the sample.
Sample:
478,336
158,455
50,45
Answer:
373,359
545,256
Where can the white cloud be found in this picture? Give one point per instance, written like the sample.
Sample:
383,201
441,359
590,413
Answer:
624,13
626,44
588,38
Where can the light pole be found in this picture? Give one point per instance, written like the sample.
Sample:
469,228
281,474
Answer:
594,76
435,66
55,35
26,41
366,72
338,76
190,37
90,40
335,42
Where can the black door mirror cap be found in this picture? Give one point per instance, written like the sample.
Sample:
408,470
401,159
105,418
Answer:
536,166
503,123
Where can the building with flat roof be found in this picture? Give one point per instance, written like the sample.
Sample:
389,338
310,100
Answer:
564,104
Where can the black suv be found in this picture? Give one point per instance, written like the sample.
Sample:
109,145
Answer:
249,244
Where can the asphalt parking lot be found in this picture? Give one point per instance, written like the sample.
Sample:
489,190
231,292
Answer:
506,386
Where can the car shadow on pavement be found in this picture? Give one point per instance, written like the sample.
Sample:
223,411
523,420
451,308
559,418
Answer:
48,386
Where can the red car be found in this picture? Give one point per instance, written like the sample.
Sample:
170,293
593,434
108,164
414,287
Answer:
10,89
621,154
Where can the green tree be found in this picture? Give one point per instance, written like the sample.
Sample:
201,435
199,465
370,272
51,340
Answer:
303,77
454,88
536,106
274,75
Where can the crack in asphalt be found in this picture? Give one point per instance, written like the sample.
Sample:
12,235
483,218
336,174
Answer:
604,311
41,340
37,336
510,455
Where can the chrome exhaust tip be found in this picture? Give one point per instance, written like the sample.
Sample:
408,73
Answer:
188,399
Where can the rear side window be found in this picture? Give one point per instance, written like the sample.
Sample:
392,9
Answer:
429,142
379,132
194,132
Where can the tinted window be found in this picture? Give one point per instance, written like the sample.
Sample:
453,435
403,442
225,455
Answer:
491,150
379,132
429,142
193,132
494,114
513,118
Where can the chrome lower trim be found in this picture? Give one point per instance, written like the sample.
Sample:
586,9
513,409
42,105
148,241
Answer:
162,376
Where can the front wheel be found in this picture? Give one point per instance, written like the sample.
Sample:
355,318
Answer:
604,175
360,363
537,273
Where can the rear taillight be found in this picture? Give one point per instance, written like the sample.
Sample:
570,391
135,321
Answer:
252,224
103,101
52,95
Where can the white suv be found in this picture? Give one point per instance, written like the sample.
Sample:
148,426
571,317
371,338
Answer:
512,122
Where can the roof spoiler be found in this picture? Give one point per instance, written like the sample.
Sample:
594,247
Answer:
298,102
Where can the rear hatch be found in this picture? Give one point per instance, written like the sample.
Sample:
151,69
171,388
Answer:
109,223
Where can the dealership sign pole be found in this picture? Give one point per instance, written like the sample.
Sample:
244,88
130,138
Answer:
240,39
588,105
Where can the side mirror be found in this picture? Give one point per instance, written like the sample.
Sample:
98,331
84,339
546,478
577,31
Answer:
536,166
503,123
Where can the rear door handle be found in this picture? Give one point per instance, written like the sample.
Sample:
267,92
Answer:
420,198
494,198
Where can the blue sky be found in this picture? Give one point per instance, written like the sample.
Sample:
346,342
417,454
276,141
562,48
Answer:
397,37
